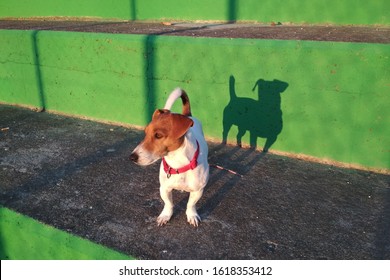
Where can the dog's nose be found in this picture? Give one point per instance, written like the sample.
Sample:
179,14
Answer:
134,157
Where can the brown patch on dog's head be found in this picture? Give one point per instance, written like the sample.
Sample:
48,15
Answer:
165,132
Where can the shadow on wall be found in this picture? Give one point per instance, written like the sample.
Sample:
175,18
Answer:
149,76
133,10
262,117
231,11
150,53
38,73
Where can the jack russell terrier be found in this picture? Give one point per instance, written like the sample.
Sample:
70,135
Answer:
178,139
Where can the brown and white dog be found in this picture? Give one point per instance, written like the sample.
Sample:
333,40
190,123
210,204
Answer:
178,139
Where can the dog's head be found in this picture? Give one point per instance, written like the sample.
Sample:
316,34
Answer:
165,133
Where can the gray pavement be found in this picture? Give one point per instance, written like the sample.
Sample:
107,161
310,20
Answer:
75,175
367,34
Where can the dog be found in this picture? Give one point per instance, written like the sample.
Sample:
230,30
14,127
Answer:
179,140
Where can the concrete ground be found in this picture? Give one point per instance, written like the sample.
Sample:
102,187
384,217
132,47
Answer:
76,175
279,31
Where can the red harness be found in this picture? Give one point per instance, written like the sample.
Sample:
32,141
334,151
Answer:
192,165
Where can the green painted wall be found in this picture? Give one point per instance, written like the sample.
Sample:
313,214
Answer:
334,105
296,11
23,238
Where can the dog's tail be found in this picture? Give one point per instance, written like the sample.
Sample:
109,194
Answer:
175,94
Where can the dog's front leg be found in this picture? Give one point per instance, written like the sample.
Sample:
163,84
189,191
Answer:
192,216
167,212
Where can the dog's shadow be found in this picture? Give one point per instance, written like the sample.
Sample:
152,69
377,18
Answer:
261,117
222,182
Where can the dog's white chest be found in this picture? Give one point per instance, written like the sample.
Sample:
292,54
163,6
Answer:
187,181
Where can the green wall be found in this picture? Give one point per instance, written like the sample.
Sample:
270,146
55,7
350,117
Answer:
335,105
23,238
361,12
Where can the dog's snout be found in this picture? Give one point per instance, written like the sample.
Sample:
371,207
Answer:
134,157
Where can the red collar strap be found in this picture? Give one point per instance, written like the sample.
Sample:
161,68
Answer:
192,165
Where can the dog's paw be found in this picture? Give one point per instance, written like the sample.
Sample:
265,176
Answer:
163,219
193,220
165,216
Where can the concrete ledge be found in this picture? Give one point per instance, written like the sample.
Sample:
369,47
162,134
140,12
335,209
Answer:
356,34
359,12
326,100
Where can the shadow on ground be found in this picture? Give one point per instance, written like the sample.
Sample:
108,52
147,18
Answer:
75,175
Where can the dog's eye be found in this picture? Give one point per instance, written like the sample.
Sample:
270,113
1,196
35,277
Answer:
158,135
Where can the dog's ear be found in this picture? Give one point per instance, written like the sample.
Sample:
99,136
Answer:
180,125
158,112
